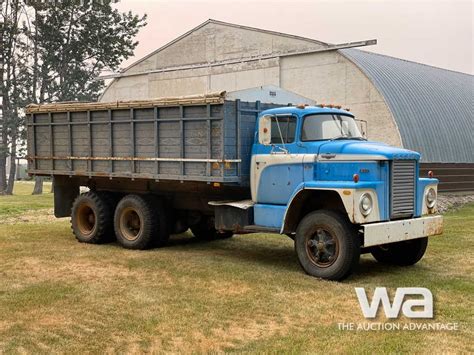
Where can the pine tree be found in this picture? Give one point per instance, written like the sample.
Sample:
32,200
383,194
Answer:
55,51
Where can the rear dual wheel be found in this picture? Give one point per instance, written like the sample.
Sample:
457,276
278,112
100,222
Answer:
139,223
92,218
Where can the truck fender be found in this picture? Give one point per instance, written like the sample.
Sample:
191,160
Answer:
306,199
340,198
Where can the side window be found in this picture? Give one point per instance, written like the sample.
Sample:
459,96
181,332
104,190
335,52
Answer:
287,128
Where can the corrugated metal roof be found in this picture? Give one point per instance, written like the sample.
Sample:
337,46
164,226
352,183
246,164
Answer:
433,107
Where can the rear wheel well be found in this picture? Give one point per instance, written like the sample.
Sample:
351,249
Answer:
307,201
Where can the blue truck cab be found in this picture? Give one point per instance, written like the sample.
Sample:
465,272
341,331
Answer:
316,178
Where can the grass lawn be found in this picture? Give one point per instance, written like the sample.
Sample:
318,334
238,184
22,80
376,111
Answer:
22,201
243,294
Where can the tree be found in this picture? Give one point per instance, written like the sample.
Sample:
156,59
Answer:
61,49
12,63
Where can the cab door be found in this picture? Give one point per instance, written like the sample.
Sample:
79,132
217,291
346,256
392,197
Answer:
277,162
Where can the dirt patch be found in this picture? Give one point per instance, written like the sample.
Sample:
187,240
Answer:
240,331
228,288
4,325
35,269
33,216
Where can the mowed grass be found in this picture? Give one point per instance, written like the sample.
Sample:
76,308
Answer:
22,200
244,294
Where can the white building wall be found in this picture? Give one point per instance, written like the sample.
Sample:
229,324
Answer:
326,77
329,77
215,42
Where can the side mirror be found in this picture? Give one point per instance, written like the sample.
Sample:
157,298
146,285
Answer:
265,130
363,127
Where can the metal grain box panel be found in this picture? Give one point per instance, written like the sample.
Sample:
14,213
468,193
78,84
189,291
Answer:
208,141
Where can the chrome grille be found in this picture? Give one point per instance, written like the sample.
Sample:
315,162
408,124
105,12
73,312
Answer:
402,188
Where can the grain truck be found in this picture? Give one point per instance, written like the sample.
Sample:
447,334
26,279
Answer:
222,166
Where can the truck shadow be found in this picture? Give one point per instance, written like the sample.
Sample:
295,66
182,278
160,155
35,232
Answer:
279,256
369,269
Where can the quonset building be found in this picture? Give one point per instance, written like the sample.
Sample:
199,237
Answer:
406,104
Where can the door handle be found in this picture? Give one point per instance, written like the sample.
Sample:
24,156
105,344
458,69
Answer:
328,155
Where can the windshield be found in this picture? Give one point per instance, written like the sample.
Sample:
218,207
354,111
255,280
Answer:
329,126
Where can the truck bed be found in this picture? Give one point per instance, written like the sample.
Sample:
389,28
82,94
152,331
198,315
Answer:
199,138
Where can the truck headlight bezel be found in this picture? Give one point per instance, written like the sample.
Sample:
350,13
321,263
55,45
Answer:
366,204
431,197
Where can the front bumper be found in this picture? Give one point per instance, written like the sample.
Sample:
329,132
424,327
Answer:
405,229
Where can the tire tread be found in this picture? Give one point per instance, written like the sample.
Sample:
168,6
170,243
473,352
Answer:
352,245
149,222
104,218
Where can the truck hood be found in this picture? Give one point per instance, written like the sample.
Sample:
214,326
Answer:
358,148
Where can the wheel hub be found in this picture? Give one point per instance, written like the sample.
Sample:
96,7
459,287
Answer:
322,248
130,224
86,219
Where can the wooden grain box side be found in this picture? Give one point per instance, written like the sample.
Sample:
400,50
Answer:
152,142
200,142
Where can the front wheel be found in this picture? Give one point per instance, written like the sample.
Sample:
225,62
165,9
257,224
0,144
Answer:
404,253
326,245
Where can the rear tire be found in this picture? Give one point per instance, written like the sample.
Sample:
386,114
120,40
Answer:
326,245
135,222
205,230
91,218
404,253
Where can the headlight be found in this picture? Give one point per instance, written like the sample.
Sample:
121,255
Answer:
365,204
431,198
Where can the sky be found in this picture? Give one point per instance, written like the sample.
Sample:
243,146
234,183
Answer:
433,32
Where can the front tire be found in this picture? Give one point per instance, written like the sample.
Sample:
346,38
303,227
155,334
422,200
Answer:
135,222
326,245
404,253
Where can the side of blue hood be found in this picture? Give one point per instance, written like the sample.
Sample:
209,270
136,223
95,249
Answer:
353,147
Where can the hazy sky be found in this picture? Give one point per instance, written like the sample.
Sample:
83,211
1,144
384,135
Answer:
435,32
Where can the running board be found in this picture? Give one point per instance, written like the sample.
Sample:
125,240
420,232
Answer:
243,205
238,217
260,229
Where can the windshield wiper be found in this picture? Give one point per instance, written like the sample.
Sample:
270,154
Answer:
347,137
339,138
